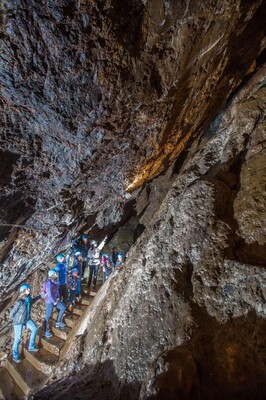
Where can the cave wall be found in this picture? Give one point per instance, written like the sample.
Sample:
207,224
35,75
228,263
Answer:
109,102
186,317
195,284
98,97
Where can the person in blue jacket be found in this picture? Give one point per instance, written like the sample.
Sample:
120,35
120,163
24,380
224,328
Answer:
21,317
82,245
61,268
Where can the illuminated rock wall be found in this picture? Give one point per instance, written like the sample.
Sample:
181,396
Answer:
185,319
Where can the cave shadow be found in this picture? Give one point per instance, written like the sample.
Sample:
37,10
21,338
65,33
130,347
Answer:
228,176
97,382
221,361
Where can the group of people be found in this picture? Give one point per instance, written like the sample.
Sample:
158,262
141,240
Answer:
62,287
112,262
89,253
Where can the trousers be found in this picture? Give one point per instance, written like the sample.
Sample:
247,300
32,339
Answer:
49,311
63,293
18,333
93,274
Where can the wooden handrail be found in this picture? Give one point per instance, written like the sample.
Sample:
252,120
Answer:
86,318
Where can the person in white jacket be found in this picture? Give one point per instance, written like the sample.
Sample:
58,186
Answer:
94,260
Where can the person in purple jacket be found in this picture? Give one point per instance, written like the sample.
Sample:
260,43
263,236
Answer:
52,299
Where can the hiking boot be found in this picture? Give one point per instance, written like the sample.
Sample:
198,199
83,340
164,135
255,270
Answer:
34,348
48,334
17,359
60,325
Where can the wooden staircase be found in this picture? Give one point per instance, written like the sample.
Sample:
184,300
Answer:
20,380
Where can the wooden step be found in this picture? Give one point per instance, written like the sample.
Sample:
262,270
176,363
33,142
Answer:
71,319
86,300
84,288
59,332
53,344
8,386
43,360
78,309
27,377
91,292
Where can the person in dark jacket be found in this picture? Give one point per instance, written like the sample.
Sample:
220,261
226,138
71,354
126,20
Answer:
120,261
61,268
114,255
72,283
21,316
52,299
107,265
82,245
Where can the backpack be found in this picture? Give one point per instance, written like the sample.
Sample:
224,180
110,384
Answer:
43,290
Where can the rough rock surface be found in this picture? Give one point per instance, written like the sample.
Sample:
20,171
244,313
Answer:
185,318
99,96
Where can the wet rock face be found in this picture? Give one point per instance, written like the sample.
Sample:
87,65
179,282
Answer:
98,97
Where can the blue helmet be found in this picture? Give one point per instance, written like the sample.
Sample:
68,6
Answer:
84,236
60,257
51,272
74,270
77,254
24,287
